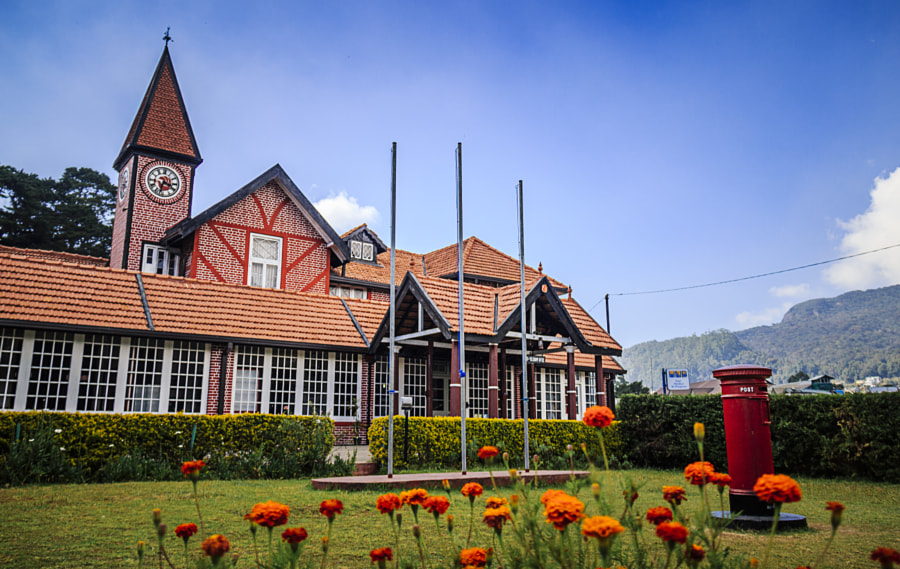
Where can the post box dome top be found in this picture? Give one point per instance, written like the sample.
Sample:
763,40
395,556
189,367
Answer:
742,370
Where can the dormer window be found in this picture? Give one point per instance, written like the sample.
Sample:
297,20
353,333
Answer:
265,261
362,251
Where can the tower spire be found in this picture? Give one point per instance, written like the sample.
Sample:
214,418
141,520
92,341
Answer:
167,37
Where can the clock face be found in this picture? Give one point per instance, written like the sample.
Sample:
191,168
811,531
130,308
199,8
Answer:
163,182
123,184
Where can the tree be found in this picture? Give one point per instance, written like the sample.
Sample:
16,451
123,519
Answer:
799,376
72,214
624,386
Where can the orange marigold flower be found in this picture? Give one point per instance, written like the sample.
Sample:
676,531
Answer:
414,497
381,554
215,546
659,515
601,527
674,494
837,512
494,502
472,489
598,416
777,488
672,532
563,510
550,495
475,556
886,556
269,514
698,473
496,517
185,531
387,503
694,554
294,535
487,452
720,479
330,508
192,467
436,505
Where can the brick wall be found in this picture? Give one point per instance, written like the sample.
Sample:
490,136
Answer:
222,246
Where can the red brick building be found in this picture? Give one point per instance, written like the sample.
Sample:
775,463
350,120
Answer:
258,305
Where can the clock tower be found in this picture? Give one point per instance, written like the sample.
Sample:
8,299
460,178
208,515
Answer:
156,177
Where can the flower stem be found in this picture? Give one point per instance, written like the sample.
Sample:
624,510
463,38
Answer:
825,550
771,534
197,502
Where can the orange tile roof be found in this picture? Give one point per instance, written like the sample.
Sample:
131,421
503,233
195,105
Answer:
61,256
368,313
162,121
583,361
479,259
48,292
593,332
478,303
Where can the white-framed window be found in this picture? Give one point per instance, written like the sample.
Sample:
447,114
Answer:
347,292
283,378
552,380
382,387
589,379
99,373
346,382
414,374
315,383
246,393
160,261
145,373
362,250
264,261
11,343
51,363
477,384
188,371
512,402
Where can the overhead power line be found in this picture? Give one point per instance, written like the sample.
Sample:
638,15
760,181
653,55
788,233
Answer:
747,278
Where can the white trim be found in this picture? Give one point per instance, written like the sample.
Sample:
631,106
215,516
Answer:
122,377
75,373
24,370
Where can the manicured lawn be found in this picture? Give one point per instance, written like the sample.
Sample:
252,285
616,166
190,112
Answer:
99,525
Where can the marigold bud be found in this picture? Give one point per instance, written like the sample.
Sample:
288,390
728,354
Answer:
595,490
325,544
161,530
837,511
699,432
490,555
570,448
505,457
513,474
417,532
253,528
450,523
399,517
754,563
157,517
446,484
140,549
234,558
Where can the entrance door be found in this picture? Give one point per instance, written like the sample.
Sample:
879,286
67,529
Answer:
440,404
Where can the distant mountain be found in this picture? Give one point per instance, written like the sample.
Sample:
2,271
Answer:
848,337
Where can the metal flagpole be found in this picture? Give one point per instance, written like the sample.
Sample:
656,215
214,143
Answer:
463,391
390,391
524,327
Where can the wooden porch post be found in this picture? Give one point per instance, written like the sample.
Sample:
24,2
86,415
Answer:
601,385
455,383
532,388
429,379
396,380
570,383
493,388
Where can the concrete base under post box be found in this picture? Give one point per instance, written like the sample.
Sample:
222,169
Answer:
762,523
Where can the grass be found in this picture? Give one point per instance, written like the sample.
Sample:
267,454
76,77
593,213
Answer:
98,525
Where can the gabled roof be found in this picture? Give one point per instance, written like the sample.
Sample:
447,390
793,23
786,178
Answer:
60,256
161,126
480,260
490,314
363,233
48,294
277,174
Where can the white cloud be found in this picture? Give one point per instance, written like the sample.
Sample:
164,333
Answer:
789,291
343,212
766,316
877,227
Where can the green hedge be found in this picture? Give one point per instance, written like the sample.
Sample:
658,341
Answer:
435,441
94,444
854,435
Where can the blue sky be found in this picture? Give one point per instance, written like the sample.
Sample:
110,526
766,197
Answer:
661,144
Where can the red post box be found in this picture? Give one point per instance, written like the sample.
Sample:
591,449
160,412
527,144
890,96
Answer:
745,402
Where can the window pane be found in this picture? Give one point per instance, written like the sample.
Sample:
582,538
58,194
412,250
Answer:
10,358
186,383
265,248
382,383
414,370
346,378
256,274
315,383
248,375
99,373
144,375
477,377
283,386
271,276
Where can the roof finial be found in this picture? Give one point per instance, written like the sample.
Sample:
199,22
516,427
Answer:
167,37
541,268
